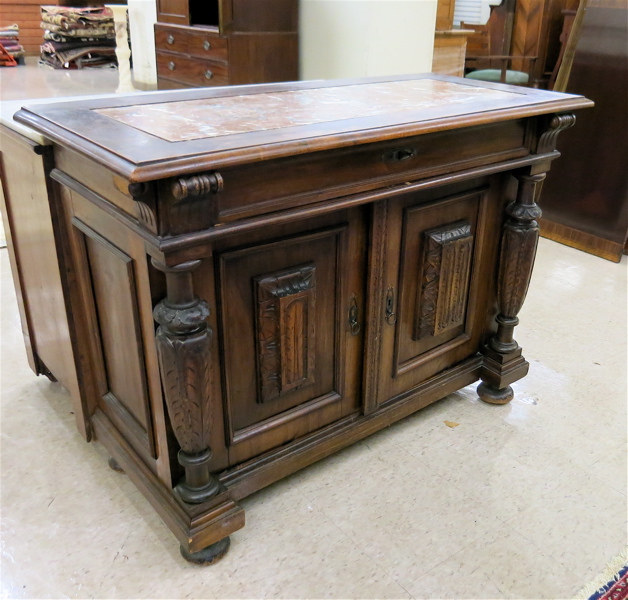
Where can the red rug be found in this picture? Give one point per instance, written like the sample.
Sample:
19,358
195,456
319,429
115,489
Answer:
615,589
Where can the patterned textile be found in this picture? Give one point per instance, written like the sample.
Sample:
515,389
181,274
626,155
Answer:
10,40
76,38
70,17
616,589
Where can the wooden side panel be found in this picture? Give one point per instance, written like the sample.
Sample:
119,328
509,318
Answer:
265,15
123,387
35,262
263,58
526,35
449,54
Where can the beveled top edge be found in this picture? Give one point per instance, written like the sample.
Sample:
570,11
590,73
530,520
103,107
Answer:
140,156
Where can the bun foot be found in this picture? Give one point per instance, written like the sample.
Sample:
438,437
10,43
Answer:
209,555
113,464
493,395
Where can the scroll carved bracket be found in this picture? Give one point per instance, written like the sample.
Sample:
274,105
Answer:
141,194
550,129
183,341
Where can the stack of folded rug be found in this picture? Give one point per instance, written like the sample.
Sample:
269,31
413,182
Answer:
10,40
76,38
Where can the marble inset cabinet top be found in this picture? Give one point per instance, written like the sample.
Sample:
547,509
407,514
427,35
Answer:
185,120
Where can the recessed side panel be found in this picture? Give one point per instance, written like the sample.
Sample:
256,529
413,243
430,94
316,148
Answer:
123,388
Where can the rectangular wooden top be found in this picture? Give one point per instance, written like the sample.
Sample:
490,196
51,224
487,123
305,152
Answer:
153,135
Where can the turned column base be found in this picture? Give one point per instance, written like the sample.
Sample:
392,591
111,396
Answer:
499,370
208,556
493,395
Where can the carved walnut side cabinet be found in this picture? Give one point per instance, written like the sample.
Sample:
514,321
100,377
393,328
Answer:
259,276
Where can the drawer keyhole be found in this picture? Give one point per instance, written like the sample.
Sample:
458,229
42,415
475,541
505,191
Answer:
171,66
208,74
206,45
399,154
170,39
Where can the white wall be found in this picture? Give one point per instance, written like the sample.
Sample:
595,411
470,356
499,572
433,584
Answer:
142,17
357,38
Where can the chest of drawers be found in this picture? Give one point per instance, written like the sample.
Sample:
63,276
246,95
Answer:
202,43
260,276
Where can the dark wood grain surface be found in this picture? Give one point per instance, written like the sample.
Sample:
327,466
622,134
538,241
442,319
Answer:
143,156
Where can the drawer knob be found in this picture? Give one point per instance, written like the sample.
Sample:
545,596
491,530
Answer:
171,66
170,39
399,154
206,45
208,74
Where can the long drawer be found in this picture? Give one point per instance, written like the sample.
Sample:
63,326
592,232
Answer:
263,187
193,41
192,71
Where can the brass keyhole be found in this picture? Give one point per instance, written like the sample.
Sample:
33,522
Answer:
391,317
353,316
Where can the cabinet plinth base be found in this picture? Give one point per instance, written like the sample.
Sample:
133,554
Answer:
493,395
209,555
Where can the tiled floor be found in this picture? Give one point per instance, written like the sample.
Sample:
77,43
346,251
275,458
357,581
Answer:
526,500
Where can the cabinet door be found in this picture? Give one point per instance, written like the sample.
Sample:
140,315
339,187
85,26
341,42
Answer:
434,302
173,11
290,354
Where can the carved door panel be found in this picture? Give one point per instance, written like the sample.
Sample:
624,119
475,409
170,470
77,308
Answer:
431,287
289,310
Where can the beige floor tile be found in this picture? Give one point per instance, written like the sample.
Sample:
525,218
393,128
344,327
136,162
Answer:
502,559
580,508
457,579
405,517
612,469
304,550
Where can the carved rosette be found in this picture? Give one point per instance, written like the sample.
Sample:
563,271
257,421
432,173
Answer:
183,346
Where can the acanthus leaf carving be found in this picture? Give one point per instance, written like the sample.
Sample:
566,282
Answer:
183,341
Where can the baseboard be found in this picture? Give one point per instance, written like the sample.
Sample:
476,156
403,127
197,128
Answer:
581,240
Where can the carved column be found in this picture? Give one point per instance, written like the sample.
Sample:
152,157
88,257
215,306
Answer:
503,362
183,346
